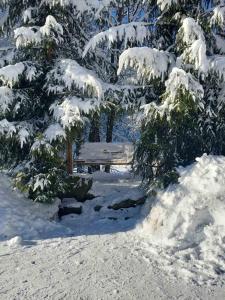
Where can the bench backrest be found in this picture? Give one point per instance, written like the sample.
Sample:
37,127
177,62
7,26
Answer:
103,153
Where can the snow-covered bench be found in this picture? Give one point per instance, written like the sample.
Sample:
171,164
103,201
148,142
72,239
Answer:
105,154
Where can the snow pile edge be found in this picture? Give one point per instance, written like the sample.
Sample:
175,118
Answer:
187,220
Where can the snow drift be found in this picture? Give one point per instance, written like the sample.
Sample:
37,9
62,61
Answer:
22,219
187,220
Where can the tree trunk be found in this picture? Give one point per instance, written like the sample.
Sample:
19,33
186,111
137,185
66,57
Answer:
110,125
114,78
109,131
79,141
69,156
94,136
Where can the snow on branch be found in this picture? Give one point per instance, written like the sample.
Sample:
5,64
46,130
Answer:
52,28
101,4
148,62
7,55
20,131
23,136
26,36
54,132
191,39
220,43
70,111
196,54
218,17
41,182
27,14
40,146
11,74
217,64
69,73
81,5
190,31
6,98
165,4
4,14
178,81
7,128
135,31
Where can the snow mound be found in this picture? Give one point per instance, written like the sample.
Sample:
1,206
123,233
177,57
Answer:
15,242
187,220
20,218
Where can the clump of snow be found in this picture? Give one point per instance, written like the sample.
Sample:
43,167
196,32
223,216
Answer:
187,219
149,62
15,242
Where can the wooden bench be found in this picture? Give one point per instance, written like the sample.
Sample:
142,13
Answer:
105,154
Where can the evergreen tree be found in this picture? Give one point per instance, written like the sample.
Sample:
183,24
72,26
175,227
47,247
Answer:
185,62
45,92
114,28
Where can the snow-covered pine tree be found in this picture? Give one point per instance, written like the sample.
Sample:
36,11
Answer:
117,26
185,61
45,93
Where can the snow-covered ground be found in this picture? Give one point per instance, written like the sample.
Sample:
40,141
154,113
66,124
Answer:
96,255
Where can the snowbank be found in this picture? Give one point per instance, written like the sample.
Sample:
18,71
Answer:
21,218
187,221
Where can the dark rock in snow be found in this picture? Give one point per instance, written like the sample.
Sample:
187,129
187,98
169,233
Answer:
127,203
63,211
97,207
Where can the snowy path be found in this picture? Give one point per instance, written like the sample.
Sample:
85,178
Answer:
95,266
92,267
